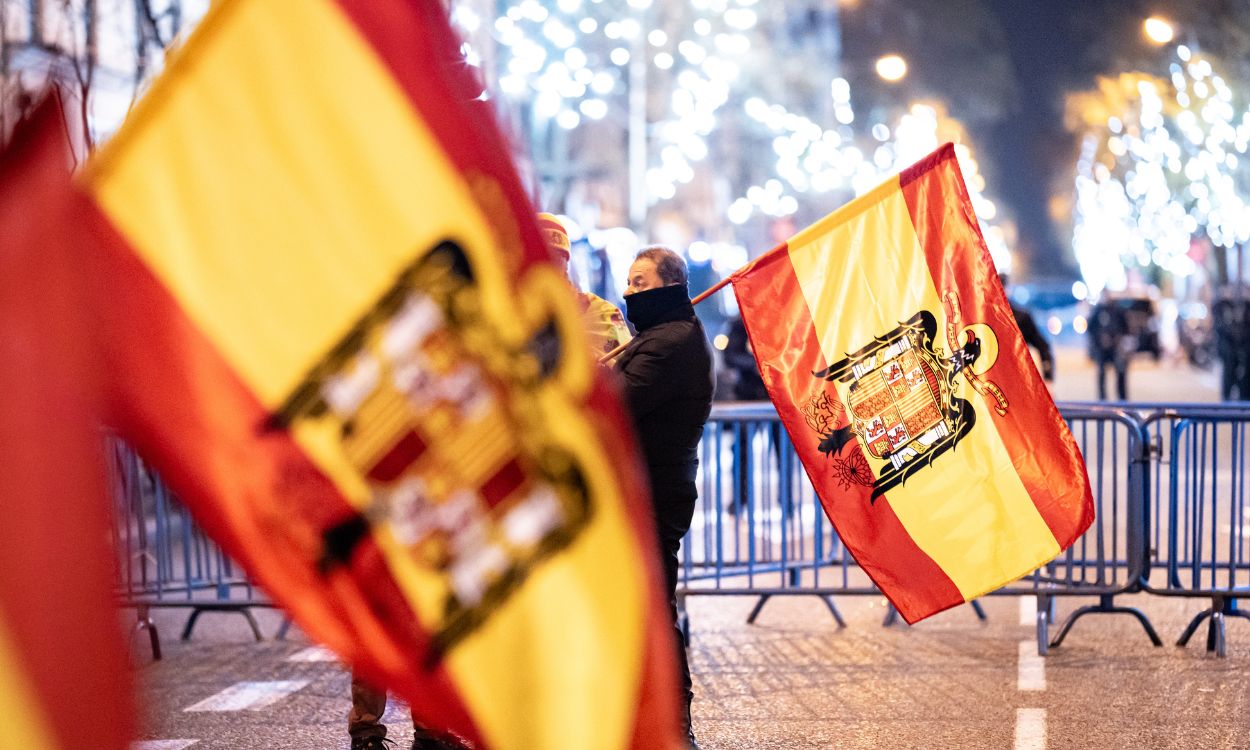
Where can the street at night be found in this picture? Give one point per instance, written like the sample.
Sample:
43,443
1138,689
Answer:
624,374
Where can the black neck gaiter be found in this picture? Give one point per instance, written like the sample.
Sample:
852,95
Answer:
661,305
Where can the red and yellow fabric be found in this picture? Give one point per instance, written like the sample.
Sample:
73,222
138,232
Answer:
332,325
604,323
64,681
555,234
885,340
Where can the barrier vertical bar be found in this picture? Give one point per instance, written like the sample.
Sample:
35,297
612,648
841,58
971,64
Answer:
1241,518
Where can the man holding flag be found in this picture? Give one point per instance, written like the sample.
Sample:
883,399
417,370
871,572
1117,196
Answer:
667,373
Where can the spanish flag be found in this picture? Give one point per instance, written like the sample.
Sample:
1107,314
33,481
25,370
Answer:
64,681
326,316
890,351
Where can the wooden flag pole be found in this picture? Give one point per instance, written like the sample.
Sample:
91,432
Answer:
713,289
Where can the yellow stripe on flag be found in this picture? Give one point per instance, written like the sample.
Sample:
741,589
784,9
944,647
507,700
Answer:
23,724
863,272
276,225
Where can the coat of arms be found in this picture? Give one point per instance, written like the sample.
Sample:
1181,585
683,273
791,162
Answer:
437,416
902,402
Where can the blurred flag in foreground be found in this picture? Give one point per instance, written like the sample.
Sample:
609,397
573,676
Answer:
890,351
63,674
329,321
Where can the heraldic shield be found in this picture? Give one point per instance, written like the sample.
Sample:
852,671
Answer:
901,402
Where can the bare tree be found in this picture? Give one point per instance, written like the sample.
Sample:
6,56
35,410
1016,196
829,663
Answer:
58,43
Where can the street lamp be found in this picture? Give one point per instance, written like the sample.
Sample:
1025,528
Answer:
891,68
1158,30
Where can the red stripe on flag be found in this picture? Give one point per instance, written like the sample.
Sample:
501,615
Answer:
57,610
252,489
401,455
959,261
503,483
783,337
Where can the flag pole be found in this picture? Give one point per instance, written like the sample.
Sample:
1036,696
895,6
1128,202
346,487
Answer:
713,289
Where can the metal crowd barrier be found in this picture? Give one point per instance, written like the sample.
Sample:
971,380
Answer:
1169,483
163,559
1200,519
1110,558
759,529
758,526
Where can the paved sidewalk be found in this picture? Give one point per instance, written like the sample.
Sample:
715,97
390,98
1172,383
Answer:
792,680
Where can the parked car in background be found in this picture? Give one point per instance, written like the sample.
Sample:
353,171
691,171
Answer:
1054,307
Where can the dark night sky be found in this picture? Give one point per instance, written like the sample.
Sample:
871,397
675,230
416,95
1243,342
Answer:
1048,41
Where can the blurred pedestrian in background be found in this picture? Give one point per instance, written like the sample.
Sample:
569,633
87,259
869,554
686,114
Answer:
1231,312
603,321
748,385
1110,345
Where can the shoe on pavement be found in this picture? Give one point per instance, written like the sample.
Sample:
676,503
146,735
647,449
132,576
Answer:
425,740
372,743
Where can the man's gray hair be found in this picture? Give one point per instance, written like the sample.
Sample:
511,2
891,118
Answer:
668,264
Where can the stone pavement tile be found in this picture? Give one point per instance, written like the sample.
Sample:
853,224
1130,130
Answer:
1148,733
794,680
956,733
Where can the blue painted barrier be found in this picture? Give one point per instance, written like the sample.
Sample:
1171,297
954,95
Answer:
1169,482
1200,532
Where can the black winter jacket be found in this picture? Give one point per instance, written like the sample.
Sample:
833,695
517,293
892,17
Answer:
667,370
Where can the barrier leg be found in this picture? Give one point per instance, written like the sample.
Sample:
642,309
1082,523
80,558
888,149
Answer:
145,623
1045,616
1217,639
1106,604
1192,627
283,629
833,610
241,609
190,626
683,619
891,616
759,605
252,621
